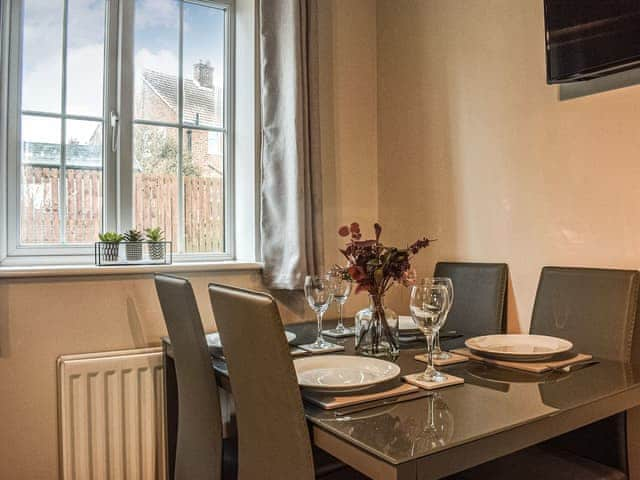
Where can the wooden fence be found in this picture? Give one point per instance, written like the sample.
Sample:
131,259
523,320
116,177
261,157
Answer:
155,205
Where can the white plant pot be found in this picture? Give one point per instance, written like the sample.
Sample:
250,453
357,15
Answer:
156,250
134,251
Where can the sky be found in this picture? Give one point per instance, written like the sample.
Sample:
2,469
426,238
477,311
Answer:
156,47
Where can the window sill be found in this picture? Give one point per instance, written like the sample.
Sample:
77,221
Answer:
93,270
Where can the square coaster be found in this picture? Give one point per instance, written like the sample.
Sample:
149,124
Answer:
416,379
452,360
333,348
347,332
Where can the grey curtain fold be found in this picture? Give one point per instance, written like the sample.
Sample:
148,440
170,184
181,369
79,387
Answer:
291,189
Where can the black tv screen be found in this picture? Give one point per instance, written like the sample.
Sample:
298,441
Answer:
590,38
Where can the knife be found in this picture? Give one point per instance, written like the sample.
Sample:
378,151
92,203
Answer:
381,403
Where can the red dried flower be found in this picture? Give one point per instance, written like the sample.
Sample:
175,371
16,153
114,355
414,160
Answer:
343,231
357,273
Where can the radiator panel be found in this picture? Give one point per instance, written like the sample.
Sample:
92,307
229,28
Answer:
111,416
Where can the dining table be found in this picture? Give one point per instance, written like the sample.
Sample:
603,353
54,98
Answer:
495,412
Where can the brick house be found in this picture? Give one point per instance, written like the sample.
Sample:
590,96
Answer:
203,106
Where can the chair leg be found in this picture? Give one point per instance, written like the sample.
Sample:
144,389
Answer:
170,414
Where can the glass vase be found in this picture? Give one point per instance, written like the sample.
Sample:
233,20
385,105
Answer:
377,332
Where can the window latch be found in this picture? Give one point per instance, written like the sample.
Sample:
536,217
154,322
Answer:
114,131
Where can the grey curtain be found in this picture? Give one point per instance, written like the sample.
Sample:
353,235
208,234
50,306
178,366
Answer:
291,189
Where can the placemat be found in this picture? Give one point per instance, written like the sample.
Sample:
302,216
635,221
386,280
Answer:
416,379
452,360
532,367
329,401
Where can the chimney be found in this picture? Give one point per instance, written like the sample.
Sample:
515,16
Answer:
203,74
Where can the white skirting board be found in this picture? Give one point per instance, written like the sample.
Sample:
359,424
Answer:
111,415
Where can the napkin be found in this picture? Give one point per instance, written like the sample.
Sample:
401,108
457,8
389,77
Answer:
540,366
330,401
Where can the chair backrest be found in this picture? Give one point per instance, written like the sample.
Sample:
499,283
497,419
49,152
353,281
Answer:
594,308
199,442
273,437
480,295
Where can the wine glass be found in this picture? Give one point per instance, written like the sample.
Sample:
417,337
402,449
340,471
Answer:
429,300
437,427
438,353
319,293
341,292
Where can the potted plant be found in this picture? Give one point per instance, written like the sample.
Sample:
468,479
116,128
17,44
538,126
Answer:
111,245
134,244
155,237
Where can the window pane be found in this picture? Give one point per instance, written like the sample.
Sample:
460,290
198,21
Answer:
40,140
85,56
156,179
42,55
202,171
84,144
84,205
83,181
40,205
203,65
40,180
156,59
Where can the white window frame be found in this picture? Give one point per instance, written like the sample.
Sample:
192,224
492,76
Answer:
118,166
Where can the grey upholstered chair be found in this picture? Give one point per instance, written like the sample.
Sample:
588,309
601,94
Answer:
273,436
201,453
597,310
480,294
594,308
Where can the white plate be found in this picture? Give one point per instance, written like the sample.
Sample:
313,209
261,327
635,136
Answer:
213,339
406,325
343,373
519,347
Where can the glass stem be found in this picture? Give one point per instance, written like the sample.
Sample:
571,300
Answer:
319,318
430,367
340,326
436,344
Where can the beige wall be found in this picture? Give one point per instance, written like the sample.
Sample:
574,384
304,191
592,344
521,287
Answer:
41,319
349,122
476,150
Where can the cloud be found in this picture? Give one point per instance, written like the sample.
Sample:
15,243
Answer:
161,61
85,79
157,13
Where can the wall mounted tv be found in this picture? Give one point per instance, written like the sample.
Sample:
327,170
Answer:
591,38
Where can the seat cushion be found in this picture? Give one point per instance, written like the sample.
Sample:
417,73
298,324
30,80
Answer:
541,462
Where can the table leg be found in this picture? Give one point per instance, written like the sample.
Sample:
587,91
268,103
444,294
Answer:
170,413
633,443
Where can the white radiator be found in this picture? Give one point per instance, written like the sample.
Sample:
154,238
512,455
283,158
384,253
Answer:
111,415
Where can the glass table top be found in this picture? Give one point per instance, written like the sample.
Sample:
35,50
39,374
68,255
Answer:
492,400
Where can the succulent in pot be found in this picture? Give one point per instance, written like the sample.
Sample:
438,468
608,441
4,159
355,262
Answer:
111,245
133,247
155,237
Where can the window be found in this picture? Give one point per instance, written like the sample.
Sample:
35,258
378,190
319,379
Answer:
121,114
